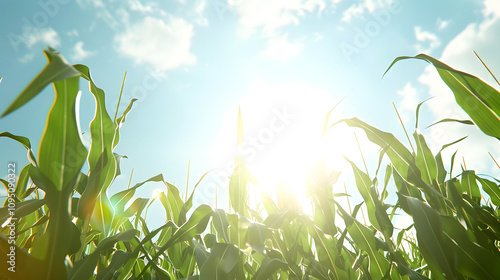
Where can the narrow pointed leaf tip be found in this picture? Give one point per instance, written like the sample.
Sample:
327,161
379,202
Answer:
56,69
477,98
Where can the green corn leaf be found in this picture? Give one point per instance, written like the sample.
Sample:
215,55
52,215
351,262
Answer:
417,111
27,266
102,133
103,214
425,160
117,260
22,209
268,268
469,184
120,199
196,224
220,263
56,69
61,153
172,202
321,190
189,202
89,197
472,260
121,120
269,205
21,139
188,261
478,99
221,224
467,122
429,229
399,155
365,240
491,189
238,187
376,212
135,208
22,182
326,248
201,253
84,269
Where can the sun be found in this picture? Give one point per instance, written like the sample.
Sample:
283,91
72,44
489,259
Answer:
283,124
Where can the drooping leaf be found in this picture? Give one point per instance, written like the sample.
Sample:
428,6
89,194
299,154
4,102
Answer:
84,268
429,229
472,260
220,263
478,99
56,69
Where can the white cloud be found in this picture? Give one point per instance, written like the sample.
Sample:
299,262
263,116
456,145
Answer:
136,5
358,10
72,33
164,45
48,36
199,9
458,54
427,38
26,58
491,7
409,102
353,11
101,11
280,48
442,24
271,15
80,53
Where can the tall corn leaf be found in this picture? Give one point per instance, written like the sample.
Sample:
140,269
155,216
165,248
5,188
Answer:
424,159
430,238
84,268
472,260
492,189
221,263
469,184
196,224
376,212
61,153
399,155
238,182
56,69
268,268
60,158
478,99
365,240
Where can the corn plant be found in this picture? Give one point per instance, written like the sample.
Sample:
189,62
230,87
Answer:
69,227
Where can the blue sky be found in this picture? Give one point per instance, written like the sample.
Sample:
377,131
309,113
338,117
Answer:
285,63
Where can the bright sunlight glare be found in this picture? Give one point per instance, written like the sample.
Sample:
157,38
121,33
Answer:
282,128
156,193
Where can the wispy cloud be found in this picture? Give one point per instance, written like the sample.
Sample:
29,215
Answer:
409,101
48,36
367,6
163,44
136,5
269,16
442,24
279,48
26,58
427,41
79,53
